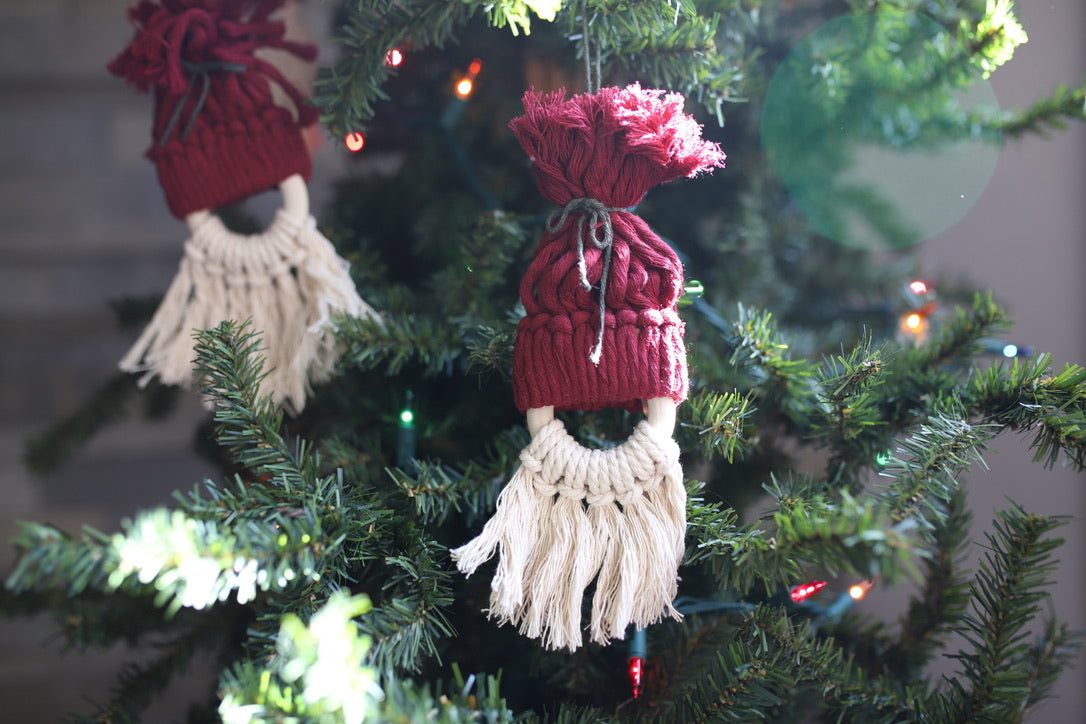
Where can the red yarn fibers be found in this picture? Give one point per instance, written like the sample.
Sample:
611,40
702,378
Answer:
218,136
611,146
209,31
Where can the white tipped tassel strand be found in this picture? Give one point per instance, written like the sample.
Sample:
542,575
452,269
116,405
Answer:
288,280
571,515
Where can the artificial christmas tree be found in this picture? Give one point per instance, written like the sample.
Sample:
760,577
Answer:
314,505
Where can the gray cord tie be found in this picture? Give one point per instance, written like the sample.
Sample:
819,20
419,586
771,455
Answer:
202,72
593,215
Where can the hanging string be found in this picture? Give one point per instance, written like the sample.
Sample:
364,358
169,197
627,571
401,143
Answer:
592,83
593,215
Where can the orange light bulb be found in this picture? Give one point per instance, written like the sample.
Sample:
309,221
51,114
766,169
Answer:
464,87
858,590
354,141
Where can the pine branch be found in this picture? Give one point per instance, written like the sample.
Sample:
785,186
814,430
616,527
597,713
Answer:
474,699
347,91
50,560
437,490
1054,651
715,422
1051,112
316,675
490,348
701,677
768,667
825,670
399,339
247,425
923,382
107,405
851,423
1026,397
409,619
961,337
180,560
566,713
715,530
321,671
807,529
785,382
942,598
138,684
925,473
479,281
1005,596
671,44
46,451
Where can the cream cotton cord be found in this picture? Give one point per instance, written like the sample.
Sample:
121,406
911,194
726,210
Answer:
288,280
571,515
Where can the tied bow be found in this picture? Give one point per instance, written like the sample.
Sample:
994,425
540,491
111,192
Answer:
201,72
178,45
593,215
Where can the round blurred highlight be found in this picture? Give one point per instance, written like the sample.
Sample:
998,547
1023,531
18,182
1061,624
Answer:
464,87
877,144
354,141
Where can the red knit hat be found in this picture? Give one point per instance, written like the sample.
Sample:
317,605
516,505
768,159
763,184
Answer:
596,155
218,136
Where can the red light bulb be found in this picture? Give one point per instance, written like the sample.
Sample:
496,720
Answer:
635,669
393,58
805,590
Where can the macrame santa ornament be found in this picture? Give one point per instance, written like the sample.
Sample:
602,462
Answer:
219,138
601,330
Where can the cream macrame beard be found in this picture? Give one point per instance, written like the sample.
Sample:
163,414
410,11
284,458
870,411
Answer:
570,515
288,280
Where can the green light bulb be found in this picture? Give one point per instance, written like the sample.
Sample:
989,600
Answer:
407,417
694,288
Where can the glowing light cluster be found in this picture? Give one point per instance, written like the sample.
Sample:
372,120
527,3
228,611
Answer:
394,58
466,85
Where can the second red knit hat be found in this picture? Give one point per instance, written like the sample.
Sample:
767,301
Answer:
218,135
